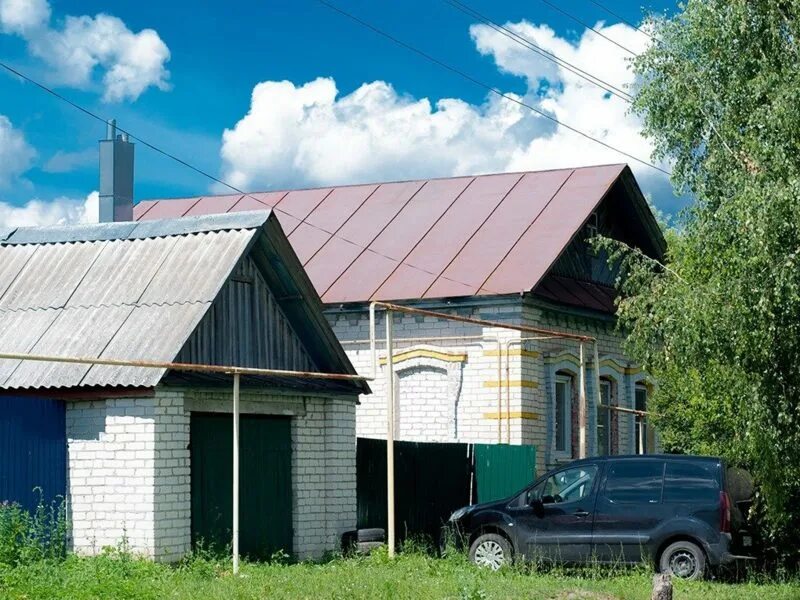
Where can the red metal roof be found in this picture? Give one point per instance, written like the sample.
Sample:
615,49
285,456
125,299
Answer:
463,236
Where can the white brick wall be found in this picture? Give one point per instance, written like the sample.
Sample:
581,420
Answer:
129,469
426,408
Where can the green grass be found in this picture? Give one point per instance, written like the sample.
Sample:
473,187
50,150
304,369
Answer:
410,575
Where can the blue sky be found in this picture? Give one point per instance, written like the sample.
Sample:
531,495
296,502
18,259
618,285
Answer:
219,52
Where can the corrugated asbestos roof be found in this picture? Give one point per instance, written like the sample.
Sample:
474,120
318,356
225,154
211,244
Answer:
134,291
463,236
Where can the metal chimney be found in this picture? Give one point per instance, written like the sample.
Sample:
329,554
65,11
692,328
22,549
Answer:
116,176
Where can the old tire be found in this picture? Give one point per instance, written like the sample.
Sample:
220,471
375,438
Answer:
373,534
684,560
367,547
491,550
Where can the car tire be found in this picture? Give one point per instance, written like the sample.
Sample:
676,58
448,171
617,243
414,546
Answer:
684,560
491,550
371,534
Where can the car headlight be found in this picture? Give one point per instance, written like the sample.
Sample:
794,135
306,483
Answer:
458,514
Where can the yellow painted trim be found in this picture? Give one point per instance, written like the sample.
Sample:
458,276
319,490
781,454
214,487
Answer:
531,416
614,364
423,353
512,352
563,357
632,371
521,383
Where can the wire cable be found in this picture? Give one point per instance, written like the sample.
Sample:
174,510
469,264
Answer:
200,171
488,87
587,26
529,44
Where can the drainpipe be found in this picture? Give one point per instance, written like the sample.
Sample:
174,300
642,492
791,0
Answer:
235,473
390,432
582,407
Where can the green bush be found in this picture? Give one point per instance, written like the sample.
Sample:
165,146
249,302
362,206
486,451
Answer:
27,537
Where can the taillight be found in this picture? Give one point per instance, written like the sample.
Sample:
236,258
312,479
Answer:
724,513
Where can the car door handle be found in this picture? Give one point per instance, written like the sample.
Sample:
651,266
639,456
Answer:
581,513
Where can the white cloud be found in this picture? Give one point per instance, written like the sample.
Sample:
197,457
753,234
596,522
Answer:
66,162
16,155
60,211
130,62
308,134
20,16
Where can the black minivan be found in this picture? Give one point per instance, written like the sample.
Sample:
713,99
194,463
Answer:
671,509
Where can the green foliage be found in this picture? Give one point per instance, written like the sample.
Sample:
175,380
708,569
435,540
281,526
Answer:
408,576
718,325
26,538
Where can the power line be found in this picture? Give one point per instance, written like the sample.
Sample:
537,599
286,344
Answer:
527,43
703,113
587,26
200,171
624,20
486,86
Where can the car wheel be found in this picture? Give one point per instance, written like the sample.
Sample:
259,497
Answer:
490,550
683,559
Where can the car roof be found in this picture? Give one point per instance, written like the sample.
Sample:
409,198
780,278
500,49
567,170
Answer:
670,457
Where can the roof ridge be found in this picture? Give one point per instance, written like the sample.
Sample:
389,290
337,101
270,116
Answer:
387,182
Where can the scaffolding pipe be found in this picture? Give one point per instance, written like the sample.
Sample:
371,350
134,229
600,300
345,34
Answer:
509,342
236,473
582,408
484,322
390,433
225,370
598,394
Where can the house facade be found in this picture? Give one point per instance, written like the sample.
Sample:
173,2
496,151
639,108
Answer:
149,450
510,248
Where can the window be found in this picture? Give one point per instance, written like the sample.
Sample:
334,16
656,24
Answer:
563,413
569,485
686,482
604,419
638,481
640,424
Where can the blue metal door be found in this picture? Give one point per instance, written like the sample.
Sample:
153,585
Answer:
33,450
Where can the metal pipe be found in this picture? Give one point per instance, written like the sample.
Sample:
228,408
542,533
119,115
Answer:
373,352
390,433
227,370
519,341
499,391
484,322
598,395
423,339
582,408
236,473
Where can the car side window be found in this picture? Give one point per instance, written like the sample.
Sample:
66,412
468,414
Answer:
685,482
569,485
635,481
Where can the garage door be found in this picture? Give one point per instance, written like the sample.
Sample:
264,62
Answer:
265,478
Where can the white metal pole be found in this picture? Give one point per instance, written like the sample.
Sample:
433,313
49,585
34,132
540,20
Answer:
582,408
235,473
373,354
599,401
390,433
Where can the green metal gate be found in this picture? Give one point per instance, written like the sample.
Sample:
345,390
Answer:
503,470
265,475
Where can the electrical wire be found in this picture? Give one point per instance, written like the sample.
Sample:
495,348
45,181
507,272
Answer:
529,44
200,171
587,26
486,86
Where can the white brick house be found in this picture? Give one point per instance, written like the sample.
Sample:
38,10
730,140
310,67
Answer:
508,247
146,446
